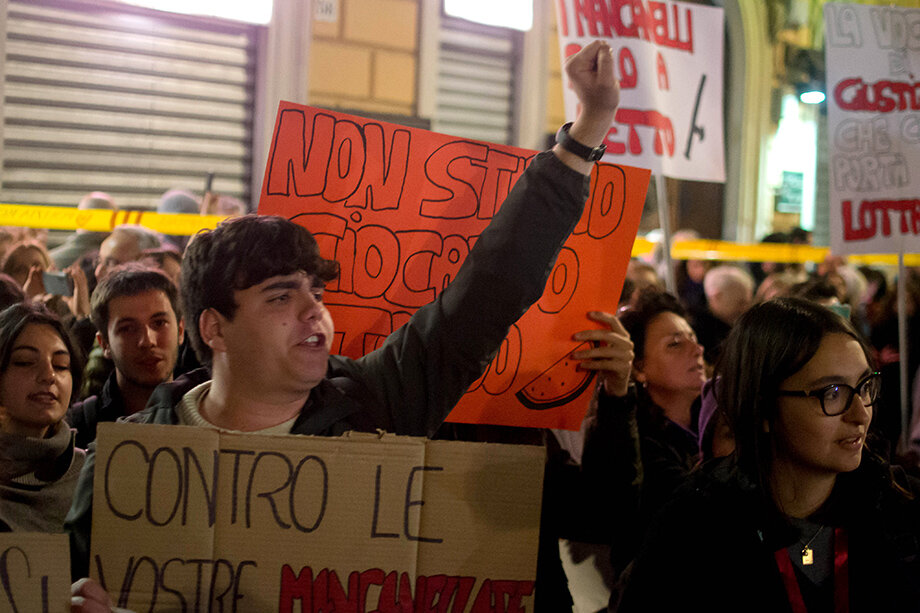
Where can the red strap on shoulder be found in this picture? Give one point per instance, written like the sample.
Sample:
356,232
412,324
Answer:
841,571
793,593
841,575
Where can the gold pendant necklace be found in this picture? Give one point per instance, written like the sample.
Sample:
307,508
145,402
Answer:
808,554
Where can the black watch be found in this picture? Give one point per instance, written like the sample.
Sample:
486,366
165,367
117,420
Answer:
571,145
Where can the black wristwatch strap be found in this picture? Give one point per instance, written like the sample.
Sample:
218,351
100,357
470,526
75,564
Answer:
571,145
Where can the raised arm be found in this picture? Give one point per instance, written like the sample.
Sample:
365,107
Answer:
426,366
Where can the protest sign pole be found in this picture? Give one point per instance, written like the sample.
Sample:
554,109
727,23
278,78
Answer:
902,351
664,220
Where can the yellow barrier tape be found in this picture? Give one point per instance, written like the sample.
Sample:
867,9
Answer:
762,252
101,220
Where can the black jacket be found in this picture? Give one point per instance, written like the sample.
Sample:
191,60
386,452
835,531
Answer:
638,458
712,548
85,415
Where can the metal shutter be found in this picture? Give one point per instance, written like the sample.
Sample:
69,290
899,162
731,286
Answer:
477,76
102,96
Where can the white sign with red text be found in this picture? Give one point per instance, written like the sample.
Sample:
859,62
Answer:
668,58
873,120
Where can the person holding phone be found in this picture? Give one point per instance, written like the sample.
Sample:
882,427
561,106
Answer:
26,261
66,293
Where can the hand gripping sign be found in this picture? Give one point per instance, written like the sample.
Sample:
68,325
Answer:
400,208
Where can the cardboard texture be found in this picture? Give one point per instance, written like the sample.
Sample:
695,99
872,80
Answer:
400,208
34,572
191,519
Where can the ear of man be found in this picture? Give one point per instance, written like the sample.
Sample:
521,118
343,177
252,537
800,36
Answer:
210,326
106,349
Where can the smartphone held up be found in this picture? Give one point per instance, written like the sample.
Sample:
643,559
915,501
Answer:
58,283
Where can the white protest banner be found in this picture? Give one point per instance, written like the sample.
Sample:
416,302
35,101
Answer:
191,519
873,121
668,57
34,572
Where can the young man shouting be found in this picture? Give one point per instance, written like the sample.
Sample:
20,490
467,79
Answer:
253,301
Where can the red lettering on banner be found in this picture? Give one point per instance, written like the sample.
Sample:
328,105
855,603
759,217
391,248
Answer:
571,49
662,68
591,14
396,597
433,594
854,94
650,21
874,216
663,132
563,19
629,74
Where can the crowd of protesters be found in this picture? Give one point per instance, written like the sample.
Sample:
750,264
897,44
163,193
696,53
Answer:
741,482
743,449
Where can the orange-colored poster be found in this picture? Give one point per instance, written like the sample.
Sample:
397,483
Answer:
400,208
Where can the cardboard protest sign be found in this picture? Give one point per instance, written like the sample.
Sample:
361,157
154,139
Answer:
400,209
191,519
668,57
34,572
873,55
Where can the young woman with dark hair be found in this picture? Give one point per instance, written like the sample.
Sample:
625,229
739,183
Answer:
802,516
39,464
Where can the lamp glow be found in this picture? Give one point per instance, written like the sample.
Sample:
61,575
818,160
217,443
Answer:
812,97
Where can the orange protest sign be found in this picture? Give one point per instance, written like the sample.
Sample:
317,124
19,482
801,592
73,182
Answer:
400,209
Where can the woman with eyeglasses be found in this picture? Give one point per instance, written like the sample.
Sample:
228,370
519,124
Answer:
803,516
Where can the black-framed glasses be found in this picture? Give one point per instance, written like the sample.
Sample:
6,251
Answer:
836,398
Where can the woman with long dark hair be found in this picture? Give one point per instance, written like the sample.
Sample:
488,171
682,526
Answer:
803,516
39,464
